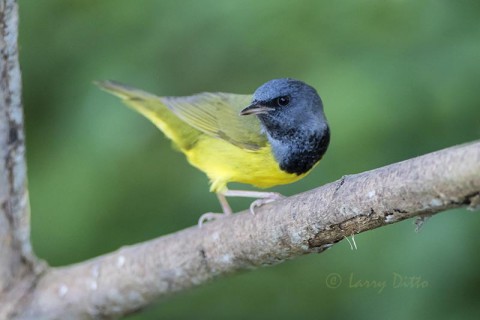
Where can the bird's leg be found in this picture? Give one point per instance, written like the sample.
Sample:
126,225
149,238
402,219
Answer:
227,210
262,197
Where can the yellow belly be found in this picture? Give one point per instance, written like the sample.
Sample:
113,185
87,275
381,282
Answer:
224,162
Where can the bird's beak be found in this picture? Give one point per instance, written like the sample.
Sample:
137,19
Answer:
256,108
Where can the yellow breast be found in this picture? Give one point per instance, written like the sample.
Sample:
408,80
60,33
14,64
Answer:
224,162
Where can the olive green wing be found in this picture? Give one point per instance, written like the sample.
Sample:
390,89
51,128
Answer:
218,114
184,119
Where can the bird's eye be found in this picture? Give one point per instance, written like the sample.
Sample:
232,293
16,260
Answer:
282,101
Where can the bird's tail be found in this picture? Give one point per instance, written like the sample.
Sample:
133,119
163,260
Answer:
153,108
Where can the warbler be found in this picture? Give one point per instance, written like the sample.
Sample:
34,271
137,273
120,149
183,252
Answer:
271,138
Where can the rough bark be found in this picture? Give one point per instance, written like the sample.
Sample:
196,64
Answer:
124,281
18,266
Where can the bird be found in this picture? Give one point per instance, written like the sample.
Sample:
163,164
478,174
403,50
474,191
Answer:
275,136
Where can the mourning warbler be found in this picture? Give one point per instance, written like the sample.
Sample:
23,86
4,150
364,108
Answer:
274,137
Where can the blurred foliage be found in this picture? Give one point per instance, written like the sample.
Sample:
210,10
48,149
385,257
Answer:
398,79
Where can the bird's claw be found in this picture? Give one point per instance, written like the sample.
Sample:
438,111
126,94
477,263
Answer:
260,202
209,216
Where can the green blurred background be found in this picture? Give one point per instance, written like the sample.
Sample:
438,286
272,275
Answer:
398,79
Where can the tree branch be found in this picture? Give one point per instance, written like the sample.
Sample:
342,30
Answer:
17,262
128,279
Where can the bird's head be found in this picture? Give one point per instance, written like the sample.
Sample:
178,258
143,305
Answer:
287,103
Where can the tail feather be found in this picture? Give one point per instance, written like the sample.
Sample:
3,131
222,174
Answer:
152,107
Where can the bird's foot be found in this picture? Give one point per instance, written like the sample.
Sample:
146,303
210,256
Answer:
263,198
269,197
210,216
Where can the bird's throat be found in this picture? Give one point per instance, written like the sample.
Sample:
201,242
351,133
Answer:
298,151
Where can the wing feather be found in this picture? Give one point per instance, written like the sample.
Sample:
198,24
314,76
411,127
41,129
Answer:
218,114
